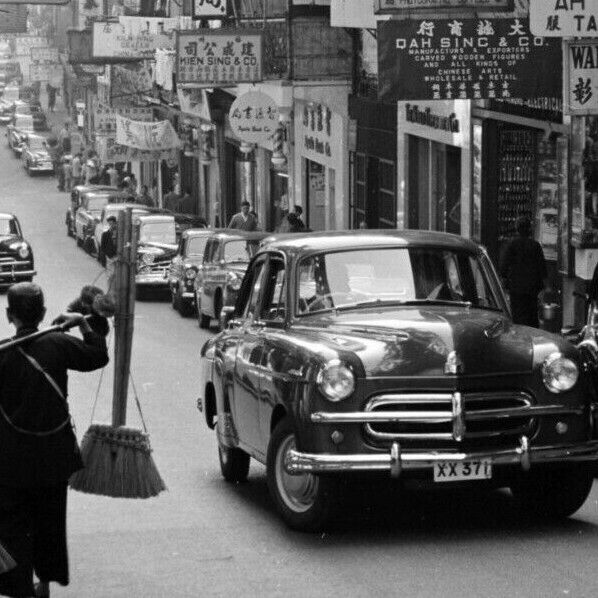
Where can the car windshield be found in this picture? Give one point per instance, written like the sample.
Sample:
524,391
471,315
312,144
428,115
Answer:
8,226
240,250
96,203
37,144
196,245
157,232
418,275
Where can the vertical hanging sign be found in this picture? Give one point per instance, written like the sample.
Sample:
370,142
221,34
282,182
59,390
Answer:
580,89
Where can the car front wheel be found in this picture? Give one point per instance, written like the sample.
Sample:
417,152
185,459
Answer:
305,501
553,493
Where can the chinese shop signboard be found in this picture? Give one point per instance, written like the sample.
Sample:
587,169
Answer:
133,37
390,6
564,18
105,117
210,57
158,135
580,93
109,152
209,8
431,59
52,73
45,55
253,117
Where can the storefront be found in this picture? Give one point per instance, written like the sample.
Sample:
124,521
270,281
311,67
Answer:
321,161
373,164
435,166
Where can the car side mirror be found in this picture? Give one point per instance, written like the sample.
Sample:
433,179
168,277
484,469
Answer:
227,315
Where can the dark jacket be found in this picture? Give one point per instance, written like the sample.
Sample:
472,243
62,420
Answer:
108,243
523,266
31,403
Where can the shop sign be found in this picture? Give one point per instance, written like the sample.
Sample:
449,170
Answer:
580,93
105,117
218,57
445,121
195,103
45,55
253,117
209,8
46,72
564,18
128,84
88,11
431,59
394,6
24,43
133,37
319,132
146,135
109,151
426,117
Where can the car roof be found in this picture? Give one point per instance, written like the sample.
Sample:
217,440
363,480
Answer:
6,216
123,206
355,239
198,232
233,235
84,188
155,217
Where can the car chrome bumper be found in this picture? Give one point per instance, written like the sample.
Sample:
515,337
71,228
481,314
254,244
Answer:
151,280
47,168
10,277
395,461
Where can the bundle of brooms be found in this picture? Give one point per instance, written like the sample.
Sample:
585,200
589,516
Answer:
118,459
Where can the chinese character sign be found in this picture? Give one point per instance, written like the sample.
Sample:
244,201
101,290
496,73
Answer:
110,151
459,58
218,57
581,77
105,117
158,135
254,117
209,8
401,5
564,18
45,55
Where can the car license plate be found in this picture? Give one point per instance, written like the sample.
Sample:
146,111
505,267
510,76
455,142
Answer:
459,471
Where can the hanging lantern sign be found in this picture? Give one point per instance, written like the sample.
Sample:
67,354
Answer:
253,117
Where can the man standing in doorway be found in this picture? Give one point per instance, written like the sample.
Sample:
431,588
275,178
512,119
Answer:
244,220
524,271
108,247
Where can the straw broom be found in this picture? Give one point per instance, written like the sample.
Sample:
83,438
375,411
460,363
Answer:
118,459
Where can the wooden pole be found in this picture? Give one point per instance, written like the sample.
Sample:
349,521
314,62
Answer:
125,310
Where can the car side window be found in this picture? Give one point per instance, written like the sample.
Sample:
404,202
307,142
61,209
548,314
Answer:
208,252
254,294
274,304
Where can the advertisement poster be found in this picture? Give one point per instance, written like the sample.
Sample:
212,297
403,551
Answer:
580,93
105,117
217,57
158,135
434,59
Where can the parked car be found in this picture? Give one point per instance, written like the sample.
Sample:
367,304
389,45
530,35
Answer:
226,257
156,246
88,214
9,96
35,155
185,267
75,201
20,126
395,353
16,255
40,120
112,209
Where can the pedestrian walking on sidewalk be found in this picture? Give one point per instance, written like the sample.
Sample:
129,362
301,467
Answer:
523,269
38,448
108,247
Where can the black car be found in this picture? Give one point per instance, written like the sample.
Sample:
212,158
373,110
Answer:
75,201
16,255
395,353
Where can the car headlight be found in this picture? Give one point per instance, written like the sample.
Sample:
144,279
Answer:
336,381
21,248
148,258
234,281
559,373
190,273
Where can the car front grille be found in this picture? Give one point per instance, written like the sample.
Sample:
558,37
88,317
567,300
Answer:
451,416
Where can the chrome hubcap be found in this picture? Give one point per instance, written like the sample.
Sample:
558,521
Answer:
297,491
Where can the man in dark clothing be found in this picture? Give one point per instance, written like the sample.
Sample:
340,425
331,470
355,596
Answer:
38,448
108,247
299,221
186,203
244,220
523,269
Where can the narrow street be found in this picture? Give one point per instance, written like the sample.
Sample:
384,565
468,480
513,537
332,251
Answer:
207,538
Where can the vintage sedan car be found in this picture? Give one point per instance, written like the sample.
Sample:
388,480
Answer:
88,214
40,120
395,353
75,201
20,126
156,246
185,267
16,255
35,156
226,257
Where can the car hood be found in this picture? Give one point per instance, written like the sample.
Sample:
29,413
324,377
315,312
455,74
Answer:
41,155
158,249
419,340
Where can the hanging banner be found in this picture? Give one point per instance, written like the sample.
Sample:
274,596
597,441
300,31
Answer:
111,152
253,117
209,8
431,59
564,18
44,55
133,37
218,57
129,83
105,116
194,102
146,135
580,93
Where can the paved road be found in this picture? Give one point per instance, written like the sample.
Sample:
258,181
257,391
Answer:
206,538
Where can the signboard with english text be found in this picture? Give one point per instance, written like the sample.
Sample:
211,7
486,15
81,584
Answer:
580,93
253,117
564,18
